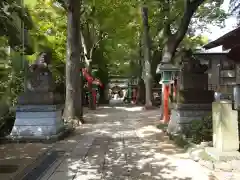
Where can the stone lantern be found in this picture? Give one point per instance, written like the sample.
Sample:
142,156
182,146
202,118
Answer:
168,72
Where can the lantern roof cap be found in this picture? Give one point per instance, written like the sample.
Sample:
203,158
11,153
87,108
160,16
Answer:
166,67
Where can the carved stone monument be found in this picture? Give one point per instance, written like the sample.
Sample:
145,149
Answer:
39,108
193,99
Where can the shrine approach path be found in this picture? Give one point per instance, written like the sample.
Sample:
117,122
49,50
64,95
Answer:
122,143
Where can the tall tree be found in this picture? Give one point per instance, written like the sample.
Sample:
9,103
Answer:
147,57
73,103
163,16
173,39
121,21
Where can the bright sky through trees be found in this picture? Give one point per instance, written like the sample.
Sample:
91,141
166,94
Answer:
216,32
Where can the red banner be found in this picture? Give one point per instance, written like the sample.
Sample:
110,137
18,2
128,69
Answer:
90,79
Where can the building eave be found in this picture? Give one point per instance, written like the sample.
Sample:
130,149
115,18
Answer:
227,40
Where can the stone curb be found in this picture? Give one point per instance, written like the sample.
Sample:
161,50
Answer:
40,158
229,167
41,139
189,147
32,165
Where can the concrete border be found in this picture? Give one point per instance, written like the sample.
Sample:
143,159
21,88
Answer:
40,139
35,164
20,175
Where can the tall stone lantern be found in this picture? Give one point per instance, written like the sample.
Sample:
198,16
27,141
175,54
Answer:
168,72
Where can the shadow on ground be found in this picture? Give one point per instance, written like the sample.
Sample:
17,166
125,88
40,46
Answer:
116,143
15,157
122,143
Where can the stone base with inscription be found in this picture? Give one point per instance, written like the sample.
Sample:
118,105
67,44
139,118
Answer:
37,122
183,114
225,132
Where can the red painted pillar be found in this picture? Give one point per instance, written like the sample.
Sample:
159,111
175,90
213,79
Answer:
165,103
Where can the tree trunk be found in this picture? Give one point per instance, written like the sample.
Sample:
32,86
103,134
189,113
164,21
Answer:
140,85
141,92
173,40
147,58
169,50
73,103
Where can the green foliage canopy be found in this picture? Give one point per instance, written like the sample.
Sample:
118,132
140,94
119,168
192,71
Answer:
12,14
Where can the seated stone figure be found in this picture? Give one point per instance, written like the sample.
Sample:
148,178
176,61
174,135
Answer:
40,78
193,80
40,84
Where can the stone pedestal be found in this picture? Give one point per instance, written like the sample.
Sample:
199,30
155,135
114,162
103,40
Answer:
37,121
183,114
40,98
225,132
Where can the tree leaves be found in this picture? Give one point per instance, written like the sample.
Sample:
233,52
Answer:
235,8
11,14
120,24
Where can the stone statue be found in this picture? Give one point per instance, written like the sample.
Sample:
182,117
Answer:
39,109
40,78
192,65
40,84
192,75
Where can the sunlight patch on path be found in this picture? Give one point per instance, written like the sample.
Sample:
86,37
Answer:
123,143
147,131
131,109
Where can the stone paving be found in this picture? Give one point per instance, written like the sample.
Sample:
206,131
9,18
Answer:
16,157
120,143
19,155
222,170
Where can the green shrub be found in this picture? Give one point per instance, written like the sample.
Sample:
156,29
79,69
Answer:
6,123
201,130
